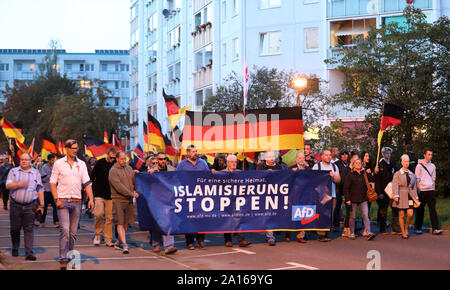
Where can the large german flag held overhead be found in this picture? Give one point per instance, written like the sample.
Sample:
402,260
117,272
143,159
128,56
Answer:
155,135
174,112
392,116
98,148
265,129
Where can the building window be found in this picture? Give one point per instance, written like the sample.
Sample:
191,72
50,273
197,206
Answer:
68,67
85,84
312,39
199,98
81,67
19,67
235,7
104,67
265,4
224,10
89,67
4,67
224,48
270,43
236,49
125,84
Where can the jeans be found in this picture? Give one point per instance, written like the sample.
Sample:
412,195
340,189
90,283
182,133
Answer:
69,216
48,199
427,197
167,240
270,236
103,218
22,217
364,209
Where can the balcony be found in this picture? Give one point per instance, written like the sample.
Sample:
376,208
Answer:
75,75
174,87
174,19
151,67
199,4
336,53
344,8
203,77
173,55
202,36
115,76
24,75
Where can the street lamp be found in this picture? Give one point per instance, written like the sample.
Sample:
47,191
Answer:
300,84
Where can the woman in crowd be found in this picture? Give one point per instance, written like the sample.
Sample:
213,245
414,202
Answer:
355,188
404,189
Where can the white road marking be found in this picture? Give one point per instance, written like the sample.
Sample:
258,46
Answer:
244,251
294,266
235,251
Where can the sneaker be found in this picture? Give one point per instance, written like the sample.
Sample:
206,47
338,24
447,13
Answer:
437,232
352,237
125,250
418,232
371,236
244,244
97,241
271,243
191,247
171,251
109,244
229,244
42,225
117,245
156,249
30,258
324,239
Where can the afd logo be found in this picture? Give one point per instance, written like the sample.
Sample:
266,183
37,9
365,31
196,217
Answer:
304,213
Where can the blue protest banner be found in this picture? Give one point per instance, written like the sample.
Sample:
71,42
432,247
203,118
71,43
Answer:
246,201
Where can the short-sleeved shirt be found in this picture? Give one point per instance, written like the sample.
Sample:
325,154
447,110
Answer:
29,193
330,167
46,172
186,165
70,180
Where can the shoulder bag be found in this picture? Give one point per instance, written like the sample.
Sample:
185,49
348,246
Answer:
370,194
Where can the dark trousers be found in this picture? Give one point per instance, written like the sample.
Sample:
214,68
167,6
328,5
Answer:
5,196
239,237
383,206
48,199
427,197
22,217
348,210
337,203
190,238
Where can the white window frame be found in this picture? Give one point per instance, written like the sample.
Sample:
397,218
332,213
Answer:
305,40
268,53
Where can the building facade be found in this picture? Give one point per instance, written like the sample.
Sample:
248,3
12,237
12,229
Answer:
188,47
111,67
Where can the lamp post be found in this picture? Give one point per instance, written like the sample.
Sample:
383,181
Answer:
300,84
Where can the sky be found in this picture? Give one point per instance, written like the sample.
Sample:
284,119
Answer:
78,25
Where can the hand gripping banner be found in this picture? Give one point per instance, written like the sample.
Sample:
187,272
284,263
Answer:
248,201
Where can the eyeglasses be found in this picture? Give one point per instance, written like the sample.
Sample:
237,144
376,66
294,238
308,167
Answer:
161,159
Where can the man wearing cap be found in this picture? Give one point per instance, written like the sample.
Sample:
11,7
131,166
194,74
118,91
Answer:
69,177
25,186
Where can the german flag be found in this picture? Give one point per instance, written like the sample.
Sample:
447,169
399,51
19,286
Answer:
137,158
48,147
115,139
61,148
10,130
170,150
173,109
105,137
155,136
392,116
146,145
98,148
266,129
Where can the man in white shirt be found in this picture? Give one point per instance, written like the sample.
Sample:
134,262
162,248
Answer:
69,177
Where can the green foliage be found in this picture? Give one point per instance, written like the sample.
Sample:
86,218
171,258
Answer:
408,67
53,104
268,87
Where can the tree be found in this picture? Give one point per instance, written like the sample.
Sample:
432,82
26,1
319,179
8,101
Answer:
268,88
407,66
53,104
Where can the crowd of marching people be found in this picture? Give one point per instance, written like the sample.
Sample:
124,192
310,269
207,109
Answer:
105,190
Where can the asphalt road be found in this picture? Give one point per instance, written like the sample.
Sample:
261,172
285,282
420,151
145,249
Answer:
389,252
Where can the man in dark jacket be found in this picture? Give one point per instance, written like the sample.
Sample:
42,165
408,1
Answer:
102,198
384,172
343,165
4,170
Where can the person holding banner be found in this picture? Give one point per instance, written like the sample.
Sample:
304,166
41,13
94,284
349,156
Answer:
232,162
193,163
157,238
404,188
384,171
269,164
300,164
326,165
